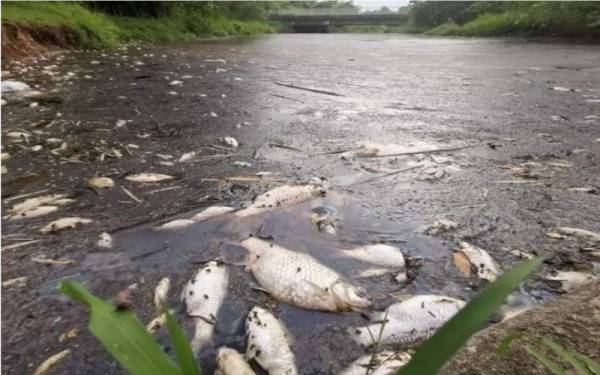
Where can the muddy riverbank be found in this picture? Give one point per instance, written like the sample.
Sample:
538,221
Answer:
300,107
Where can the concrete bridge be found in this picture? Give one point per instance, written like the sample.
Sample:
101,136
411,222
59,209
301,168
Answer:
322,20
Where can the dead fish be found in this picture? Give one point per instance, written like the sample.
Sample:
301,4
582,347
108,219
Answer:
149,177
580,233
231,362
380,254
300,280
561,89
584,189
323,218
161,291
51,362
469,258
34,212
187,156
176,224
570,279
269,343
210,212
104,241
32,203
100,183
4,156
382,363
203,296
441,225
241,164
230,141
408,322
64,223
282,196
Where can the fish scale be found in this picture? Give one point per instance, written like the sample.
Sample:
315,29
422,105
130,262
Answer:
410,321
203,295
269,343
300,280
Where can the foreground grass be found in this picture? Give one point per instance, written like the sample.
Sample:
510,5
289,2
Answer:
578,19
94,29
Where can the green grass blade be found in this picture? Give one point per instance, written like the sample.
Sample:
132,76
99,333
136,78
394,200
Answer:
566,355
594,366
122,334
550,365
182,345
507,342
432,355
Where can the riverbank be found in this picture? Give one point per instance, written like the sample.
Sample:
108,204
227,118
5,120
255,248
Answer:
32,26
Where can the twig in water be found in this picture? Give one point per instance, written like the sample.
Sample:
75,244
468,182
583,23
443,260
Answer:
307,89
19,244
383,176
132,196
287,97
24,195
279,145
419,152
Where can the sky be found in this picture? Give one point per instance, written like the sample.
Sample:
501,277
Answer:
376,4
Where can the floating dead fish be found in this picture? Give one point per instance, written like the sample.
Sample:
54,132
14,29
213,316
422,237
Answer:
120,123
300,280
570,279
230,362
269,343
323,218
409,321
64,223
203,295
469,258
210,212
559,164
149,177
161,291
10,86
282,196
380,254
556,236
188,156
176,83
561,89
32,203
580,233
16,282
44,260
241,164
383,363
34,212
176,224
441,225
584,189
230,141
4,156
105,241
51,362
100,183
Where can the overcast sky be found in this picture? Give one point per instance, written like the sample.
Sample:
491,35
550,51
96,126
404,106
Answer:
376,4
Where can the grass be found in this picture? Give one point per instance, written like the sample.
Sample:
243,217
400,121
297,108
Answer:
98,30
531,19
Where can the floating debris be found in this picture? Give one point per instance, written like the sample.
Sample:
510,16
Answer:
300,280
584,189
120,123
556,236
269,343
408,322
64,223
105,241
241,164
44,260
176,224
100,183
383,363
570,279
431,173
203,296
582,234
51,362
323,218
16,282
470,260
187,156
210,212
10,86
230,362
149,177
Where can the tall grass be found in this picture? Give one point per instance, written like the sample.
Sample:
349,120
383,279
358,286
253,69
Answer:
95,29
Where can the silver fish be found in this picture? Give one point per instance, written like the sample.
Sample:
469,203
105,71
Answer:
479,260
269,343
383,363
300,280
203,295
379,254
230,362
409,321
282,196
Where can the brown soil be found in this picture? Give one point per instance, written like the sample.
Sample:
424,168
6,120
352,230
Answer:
21,40
572,321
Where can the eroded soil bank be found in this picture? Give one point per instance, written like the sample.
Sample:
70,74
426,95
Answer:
299,105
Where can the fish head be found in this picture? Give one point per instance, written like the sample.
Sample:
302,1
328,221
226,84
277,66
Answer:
350,297
255,317
318,190
227,357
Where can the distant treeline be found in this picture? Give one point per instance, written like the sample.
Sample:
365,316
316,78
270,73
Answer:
495,18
